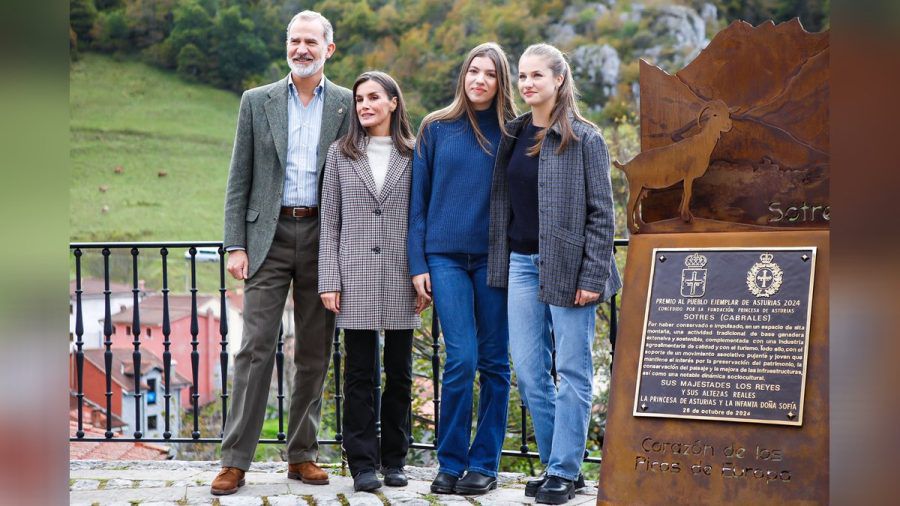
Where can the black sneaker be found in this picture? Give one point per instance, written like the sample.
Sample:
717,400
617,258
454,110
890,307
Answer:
366,481
532,486
555,490
394,477
444,483
475,483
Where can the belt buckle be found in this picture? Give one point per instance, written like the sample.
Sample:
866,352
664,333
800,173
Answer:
301,210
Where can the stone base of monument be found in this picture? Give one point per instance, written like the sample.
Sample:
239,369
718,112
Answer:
720,381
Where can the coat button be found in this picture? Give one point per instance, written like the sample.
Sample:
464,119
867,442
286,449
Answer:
377,212
376,250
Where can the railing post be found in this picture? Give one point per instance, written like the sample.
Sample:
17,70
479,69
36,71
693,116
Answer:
279,365
436,370
107,333
409,426
195,355
166,330
524,419
79,354
223,332
613,328
136,354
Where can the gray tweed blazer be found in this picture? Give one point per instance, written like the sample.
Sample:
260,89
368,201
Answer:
576,215
256,177
362,248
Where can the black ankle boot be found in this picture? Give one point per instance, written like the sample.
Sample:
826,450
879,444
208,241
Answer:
555,490
394,477
444,483
366,481
475,483
532,486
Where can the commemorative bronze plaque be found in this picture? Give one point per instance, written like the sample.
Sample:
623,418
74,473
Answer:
725,334
719,391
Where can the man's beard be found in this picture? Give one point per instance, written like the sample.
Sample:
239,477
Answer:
308,69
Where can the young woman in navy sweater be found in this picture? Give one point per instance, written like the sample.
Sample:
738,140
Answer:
448,245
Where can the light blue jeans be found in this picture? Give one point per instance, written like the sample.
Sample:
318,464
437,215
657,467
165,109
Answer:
560,445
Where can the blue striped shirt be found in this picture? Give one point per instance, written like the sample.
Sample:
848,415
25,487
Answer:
301,176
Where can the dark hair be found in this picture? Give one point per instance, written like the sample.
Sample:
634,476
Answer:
401,131
461,106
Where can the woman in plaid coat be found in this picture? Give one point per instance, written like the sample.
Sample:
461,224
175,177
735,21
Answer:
363,274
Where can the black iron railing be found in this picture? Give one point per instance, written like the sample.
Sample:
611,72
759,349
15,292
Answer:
163,249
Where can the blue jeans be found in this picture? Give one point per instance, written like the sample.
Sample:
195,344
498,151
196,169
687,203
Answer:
476,337
561,445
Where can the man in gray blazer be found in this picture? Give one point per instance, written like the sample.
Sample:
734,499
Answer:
272,235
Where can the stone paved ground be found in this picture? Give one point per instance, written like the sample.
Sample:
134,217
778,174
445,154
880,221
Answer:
171,483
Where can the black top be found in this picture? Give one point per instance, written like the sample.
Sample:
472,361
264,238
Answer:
522,177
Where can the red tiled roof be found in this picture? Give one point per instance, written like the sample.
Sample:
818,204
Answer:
88,410
93,286
151,309
111,450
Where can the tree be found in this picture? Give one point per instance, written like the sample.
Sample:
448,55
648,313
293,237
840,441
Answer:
150,21
193,26
238,52
191,62
82,14
111,32
107,5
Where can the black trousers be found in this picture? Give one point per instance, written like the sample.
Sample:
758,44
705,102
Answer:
360,441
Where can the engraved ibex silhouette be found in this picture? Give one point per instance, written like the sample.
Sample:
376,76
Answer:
685,160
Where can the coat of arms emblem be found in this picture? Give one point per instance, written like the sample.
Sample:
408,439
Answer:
693,278
765,277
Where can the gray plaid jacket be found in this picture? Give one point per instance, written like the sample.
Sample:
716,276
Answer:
576,215
362,244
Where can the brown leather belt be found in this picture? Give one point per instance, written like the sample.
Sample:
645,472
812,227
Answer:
300,212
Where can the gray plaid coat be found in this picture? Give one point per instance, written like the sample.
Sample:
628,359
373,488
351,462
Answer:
576,215
362,244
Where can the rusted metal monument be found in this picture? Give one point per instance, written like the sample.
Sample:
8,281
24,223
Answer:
720,383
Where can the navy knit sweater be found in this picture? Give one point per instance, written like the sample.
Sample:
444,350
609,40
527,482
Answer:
451,188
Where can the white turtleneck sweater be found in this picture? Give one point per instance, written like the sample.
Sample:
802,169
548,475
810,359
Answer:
378,150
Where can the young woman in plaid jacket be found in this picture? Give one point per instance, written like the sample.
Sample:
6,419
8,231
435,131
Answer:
551,246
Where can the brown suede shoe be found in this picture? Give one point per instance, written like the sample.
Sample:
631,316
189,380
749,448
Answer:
228,481
308,472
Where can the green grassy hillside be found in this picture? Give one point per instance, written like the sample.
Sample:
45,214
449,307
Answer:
126,114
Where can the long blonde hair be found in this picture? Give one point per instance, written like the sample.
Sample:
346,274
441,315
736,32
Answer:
505,106
566,98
